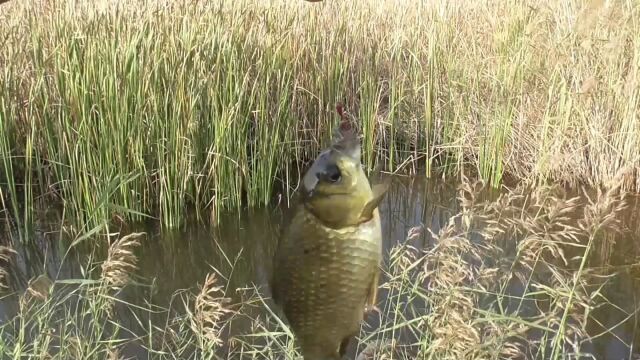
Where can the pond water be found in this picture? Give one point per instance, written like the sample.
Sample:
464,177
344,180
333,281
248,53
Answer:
242,245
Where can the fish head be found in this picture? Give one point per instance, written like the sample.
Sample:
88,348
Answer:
335,188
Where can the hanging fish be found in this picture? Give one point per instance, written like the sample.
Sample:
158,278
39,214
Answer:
327,265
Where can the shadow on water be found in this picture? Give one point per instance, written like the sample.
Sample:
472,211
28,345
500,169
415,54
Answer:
241,247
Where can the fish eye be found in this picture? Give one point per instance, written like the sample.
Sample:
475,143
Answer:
335,176
332,174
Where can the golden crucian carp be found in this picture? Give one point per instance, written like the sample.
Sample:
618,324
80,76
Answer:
327,265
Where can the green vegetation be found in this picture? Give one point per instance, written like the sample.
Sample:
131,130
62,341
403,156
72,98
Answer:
116,111
119,109
455,300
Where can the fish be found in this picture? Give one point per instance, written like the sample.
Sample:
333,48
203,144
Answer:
327,262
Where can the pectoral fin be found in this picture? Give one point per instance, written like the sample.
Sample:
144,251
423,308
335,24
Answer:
379,191
372,294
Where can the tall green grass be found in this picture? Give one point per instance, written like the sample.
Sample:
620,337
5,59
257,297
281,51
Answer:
206,104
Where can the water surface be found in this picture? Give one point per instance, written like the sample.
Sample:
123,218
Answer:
241,247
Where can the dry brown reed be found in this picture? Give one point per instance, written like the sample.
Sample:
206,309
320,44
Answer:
120,262
506,277
209,311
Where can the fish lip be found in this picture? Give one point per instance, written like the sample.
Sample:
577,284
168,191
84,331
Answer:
308,197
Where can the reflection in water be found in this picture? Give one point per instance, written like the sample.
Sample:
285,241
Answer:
241,247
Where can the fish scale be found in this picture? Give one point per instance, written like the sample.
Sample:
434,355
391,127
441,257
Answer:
328,280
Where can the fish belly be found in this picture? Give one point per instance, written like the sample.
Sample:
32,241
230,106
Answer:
325,278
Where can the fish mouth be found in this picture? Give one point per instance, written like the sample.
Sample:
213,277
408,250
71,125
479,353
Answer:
309,196
310,190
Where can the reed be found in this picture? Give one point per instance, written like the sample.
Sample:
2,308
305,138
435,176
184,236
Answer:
216,105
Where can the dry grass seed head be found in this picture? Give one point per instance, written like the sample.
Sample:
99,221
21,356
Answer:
543,217
540,221
209,311
449,268
121,261
603,209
